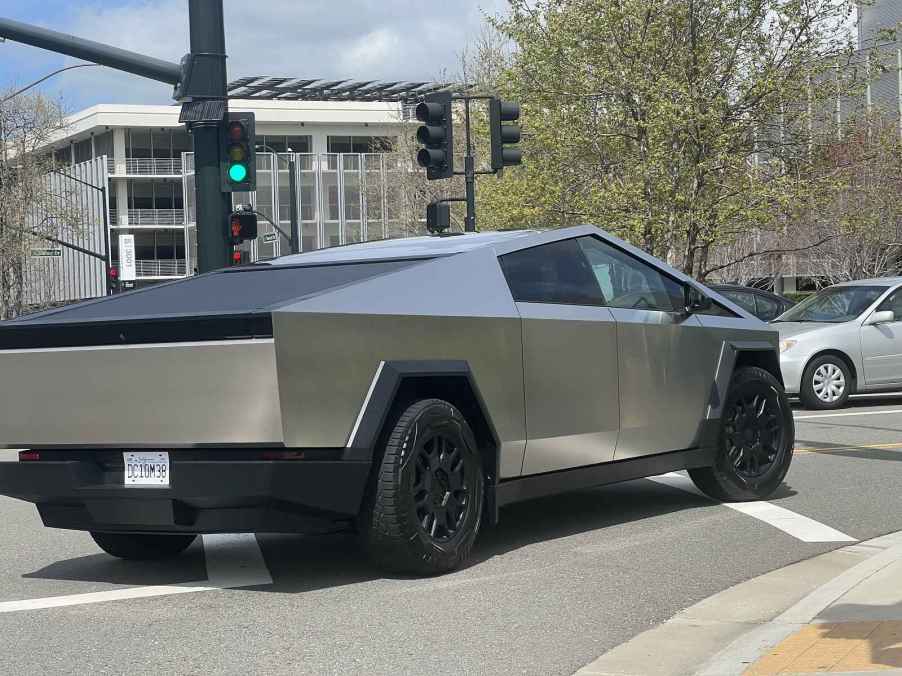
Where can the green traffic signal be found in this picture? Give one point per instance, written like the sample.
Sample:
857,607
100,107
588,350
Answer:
237,173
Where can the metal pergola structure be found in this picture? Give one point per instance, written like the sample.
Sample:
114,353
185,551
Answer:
296,89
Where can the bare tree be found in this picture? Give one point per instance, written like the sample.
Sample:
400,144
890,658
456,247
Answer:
35,211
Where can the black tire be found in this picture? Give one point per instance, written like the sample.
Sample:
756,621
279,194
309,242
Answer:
755,443
424,506
142,547
830,363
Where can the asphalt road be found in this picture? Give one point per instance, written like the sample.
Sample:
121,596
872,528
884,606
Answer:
559,582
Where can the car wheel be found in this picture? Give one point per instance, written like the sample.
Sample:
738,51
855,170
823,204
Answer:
826,383
142,547
755,443
424,506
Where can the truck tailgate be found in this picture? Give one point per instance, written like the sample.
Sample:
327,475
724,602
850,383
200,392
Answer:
183,394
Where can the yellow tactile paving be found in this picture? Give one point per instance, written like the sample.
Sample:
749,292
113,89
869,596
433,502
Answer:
882,650
835,648
783,655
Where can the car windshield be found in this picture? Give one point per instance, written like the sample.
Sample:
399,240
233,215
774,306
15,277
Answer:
834,305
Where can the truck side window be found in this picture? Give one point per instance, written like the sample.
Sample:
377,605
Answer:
557,272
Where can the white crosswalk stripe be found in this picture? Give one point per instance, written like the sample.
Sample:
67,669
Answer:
232,561
794,524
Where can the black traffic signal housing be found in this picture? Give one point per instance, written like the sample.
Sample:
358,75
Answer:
242,226
438,217
504,134
113,281
436,135
238,155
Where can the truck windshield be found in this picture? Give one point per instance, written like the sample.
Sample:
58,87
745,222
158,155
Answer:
833,305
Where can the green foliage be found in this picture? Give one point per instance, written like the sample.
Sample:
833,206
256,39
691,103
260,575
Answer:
678,125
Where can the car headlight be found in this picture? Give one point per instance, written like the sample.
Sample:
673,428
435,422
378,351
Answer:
786,344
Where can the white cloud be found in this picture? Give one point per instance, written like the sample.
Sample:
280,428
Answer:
329,39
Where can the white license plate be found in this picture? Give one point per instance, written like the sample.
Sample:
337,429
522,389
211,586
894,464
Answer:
146,469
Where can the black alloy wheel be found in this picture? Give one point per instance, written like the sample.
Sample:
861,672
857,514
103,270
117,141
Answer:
753,433
423,508
441,486
756,439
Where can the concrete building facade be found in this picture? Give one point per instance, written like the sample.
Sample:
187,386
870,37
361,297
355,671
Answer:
346,175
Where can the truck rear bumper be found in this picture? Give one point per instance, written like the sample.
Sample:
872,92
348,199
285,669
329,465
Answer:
205,496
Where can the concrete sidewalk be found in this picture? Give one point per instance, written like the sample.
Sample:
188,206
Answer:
861,631
840,612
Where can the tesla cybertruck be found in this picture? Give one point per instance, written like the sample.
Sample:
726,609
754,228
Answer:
405,390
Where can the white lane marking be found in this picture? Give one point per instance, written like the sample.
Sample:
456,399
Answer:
798,526
232,561
98,597
844,415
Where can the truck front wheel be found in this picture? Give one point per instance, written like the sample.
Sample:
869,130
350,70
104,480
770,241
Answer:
142,547
424,507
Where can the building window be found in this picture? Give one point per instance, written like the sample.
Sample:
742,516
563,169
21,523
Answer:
103,145
360,144
139,145
83,151
155,195
299,144
283,144
161,144
181,143
63,157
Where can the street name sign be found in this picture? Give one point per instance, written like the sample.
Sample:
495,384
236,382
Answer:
46,253
270,237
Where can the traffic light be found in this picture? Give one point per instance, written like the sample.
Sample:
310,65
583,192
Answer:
436,135
438,217
238,157
114,279
242,226
504,134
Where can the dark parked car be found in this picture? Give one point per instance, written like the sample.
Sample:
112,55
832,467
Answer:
763,304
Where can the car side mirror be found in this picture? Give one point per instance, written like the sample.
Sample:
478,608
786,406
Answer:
695,301
880,317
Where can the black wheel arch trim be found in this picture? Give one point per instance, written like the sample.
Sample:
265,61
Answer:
736,354
387,384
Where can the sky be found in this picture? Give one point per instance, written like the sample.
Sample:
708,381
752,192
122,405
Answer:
330,39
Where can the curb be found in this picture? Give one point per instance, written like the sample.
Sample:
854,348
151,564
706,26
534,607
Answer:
736,657
749,618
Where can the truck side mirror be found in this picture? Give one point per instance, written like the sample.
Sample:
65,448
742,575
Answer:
695,301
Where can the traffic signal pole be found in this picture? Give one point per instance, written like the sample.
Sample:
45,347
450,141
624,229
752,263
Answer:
207,30
469,174
207,82
96,52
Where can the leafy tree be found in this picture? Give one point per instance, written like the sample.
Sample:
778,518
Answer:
680,125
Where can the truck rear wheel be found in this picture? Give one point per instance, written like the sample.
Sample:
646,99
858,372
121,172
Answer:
424,507
142,547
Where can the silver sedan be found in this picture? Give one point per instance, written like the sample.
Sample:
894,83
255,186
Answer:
844,339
